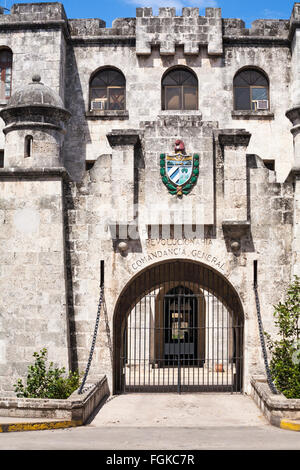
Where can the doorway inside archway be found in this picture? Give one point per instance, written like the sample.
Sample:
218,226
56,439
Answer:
178,326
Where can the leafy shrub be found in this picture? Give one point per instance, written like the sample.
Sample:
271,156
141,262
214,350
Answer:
285,351
43,382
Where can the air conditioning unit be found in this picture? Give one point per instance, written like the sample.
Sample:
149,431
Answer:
262,104
98,104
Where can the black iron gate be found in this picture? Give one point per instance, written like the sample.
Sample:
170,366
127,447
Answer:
181,330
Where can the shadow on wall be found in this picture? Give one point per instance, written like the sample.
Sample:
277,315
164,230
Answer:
69,205
78,135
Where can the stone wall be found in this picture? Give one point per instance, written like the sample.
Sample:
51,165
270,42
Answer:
156,206
269,242
276,408
68,56
190,30
270,130
32,280
77,408
57,253
35,34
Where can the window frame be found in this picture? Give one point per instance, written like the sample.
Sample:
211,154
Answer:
3,74
250,88
164,89
107,89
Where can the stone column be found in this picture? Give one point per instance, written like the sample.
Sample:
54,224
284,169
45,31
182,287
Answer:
294,116
33,301
123,144
294,37
234,144
215,36
296,234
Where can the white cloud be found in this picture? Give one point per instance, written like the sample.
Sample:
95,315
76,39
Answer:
273,14
178,4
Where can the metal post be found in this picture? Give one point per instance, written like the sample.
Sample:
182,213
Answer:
178,340
102,273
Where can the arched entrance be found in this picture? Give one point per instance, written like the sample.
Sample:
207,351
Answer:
178,326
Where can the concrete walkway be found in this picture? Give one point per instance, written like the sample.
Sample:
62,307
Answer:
186,410
164,422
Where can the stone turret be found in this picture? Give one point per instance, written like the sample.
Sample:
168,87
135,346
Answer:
35,119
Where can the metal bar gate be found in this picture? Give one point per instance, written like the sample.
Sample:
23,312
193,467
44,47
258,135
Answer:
182,331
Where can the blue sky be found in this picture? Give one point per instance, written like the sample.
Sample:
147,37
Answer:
108,10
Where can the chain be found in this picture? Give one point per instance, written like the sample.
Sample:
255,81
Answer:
93,341
108,333
263,345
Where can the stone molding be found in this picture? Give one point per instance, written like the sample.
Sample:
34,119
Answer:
234,137
295,130
293,174
123,137
8,111
29,125
107,114
248,114
264,41
236,229
33,173
110,41
293,114
34,115
294,20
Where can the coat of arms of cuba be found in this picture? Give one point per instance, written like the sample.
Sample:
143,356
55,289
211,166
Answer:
180,171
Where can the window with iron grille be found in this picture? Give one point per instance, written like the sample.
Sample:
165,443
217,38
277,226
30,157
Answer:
6,73
251,91
107,90
180,90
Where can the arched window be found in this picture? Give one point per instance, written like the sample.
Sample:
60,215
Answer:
5,70
251,90
179,90
107,90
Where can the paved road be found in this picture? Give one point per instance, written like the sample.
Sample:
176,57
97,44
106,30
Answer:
165,422
119,438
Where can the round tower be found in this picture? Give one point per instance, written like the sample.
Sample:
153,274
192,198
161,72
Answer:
35,120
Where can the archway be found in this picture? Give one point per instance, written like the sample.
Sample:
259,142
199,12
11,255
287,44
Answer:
178,326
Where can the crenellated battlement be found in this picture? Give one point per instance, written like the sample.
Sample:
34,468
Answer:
21,12
170,12
168,30
165,30
262,28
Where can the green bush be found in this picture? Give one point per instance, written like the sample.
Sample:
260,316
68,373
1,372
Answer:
43,382
285,350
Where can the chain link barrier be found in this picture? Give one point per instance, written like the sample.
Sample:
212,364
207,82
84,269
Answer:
262,342
93,341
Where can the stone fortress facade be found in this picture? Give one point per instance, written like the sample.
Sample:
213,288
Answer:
97,125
